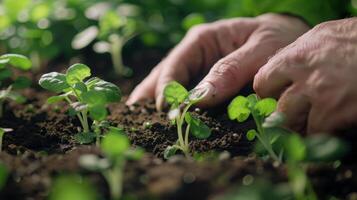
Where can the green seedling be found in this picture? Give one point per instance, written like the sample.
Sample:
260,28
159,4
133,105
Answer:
88,99
242,107
2,133
11,83
72,187
117,150
181,100
113,31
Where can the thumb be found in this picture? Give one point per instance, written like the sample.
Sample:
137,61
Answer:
233,72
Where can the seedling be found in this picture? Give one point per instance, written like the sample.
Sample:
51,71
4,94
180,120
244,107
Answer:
116,147
6,76
113,32
242,107
87,98
178,97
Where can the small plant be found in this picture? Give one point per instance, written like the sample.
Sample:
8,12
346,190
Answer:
6,75
181,100
242,107
116,147
113,31
87,98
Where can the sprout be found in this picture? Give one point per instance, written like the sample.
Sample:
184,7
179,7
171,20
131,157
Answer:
176,95
87,98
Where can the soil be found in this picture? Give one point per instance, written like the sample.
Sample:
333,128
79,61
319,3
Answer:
42,146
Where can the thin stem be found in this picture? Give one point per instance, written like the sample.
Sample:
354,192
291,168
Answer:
186,136
179,132
179,122
97,133
85,121
116,47
114,178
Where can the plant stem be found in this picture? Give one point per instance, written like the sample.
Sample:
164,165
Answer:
116,46
114,178
36,61
97,133
179,122
85,121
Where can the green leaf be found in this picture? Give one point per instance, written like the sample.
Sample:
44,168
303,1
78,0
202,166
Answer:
170,151
197,128
295,148
72,187
324,148
4,173
251,134
135,154
3,62
252,99
76,73
98,112
5,73
115,145
18,61
266,106
22,82
115,130
55,99
110,22
238,109
192,20
175,93
85,138
93,97
110,91
80,86
54,81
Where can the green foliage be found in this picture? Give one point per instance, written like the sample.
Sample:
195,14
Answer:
117,150
176,95
72,187
193,19
86,97
4,174
7,92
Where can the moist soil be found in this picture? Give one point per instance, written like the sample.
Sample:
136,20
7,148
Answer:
42,146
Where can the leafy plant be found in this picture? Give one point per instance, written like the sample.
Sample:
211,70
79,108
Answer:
87,98
72,187
116,147
113,31
242,107
178,97
6,75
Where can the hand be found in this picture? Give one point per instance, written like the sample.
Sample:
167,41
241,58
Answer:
316,78
236,48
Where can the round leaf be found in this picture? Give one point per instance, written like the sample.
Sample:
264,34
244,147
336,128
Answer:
54,81
98,112
115,145
93,97
251,134
295,148
110,91
238,109
169,151
76,73
18,61
266,106
197,128
175,93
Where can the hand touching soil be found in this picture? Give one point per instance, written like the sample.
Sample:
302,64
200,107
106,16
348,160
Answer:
229,51
315,78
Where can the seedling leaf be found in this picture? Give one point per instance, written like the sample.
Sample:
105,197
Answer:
251,134
175,93
5,73
21,82
55,99
115,145
111,92
266,106
54,81
18,98
98,112
238,109
295,148
18,61
170,151
198,129
85,138
76,73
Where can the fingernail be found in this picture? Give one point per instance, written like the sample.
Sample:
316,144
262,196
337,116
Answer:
202,91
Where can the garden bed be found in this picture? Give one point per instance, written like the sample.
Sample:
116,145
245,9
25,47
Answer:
42,146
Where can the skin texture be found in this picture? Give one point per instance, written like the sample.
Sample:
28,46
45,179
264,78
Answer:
315,78
228,52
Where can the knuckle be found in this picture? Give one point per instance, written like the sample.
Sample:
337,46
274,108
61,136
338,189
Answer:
200,30
226,68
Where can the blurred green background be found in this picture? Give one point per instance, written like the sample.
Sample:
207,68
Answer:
46,30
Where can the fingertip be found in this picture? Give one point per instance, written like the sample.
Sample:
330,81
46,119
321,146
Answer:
159,102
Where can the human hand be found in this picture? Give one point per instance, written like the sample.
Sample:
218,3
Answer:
230,51
315,78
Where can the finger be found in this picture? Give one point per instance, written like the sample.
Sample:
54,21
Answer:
295,106
231,73
146,89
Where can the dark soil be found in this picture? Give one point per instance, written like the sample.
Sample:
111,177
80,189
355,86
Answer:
42,146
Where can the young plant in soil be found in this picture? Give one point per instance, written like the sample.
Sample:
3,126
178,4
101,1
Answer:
181,100
117,150
9,83
242,107
88,99
113,32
